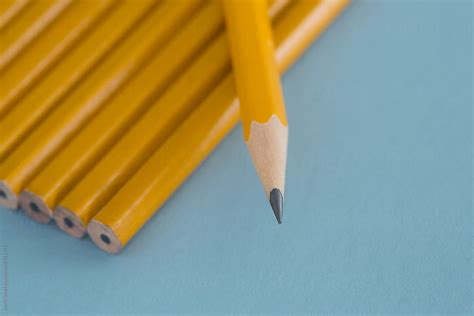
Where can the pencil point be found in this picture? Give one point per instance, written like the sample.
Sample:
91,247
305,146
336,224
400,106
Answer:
276,201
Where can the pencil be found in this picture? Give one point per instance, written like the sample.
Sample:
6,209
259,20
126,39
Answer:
20,111
10,10
259,90
85,101
96,188
120,219
39,27
119,114
22,23
49,48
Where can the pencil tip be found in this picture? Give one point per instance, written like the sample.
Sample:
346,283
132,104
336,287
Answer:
276,201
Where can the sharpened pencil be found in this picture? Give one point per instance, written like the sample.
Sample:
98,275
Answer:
130,208
259,91
125,157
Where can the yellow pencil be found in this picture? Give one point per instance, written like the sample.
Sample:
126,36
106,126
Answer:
48,48
119,115
23,22
261,99
86,100
39,27
121,218
126,156
40,91
9,9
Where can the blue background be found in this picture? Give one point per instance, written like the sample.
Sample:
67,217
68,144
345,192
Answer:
378,214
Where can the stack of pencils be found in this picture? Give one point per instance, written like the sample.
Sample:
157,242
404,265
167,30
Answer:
107,106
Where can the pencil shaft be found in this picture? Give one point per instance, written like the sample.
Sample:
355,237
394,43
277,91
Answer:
40,26
255,72
22,23
85,101
122,111
46,90
169,166
48,48
9,9
147,134
258,87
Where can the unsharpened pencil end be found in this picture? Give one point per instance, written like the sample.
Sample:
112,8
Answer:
276,201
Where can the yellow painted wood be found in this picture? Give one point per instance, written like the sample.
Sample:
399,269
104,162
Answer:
256,77
52,40
41,92
5,5
9,9
125,157
88,98
77,38
130,208
23,17
133,102
28,24
276,8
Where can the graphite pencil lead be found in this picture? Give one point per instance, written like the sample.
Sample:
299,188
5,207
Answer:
276,201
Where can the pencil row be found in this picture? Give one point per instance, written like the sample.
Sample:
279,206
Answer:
108,106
